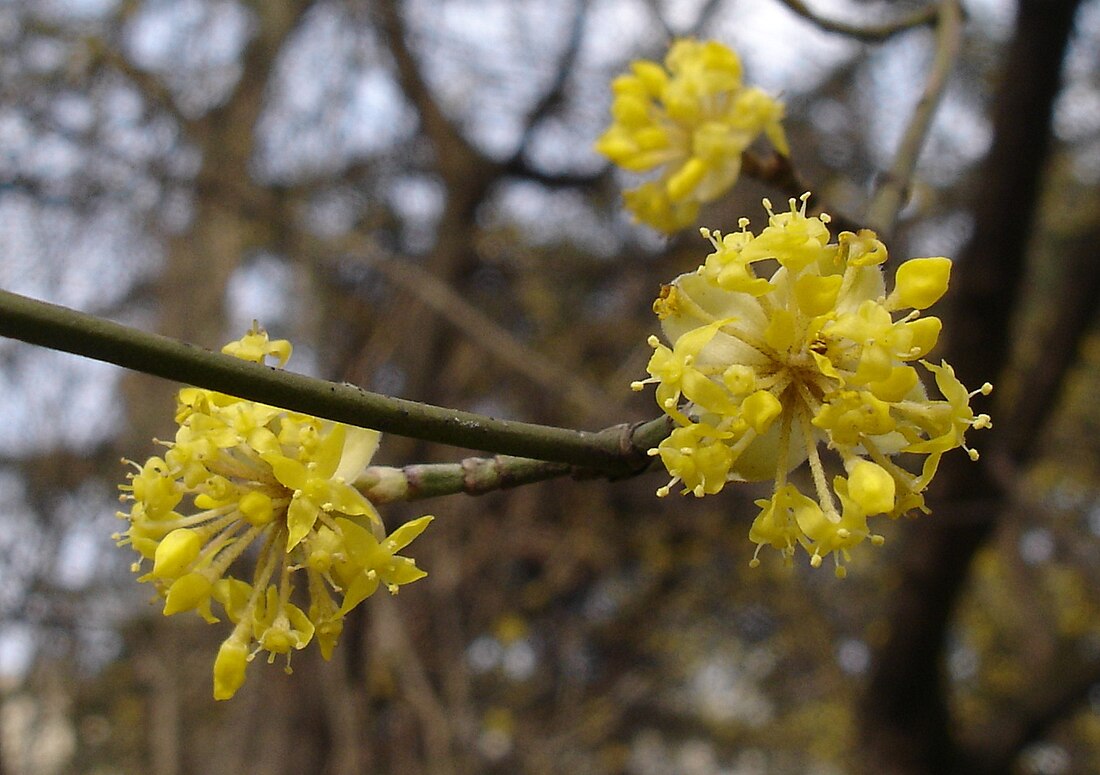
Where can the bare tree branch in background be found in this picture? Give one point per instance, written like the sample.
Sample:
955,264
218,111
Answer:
867,33
905,726
893,188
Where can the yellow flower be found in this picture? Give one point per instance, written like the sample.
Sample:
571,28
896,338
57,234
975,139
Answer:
763,369
250,475
692,119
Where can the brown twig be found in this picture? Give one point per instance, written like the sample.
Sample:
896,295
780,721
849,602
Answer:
875,33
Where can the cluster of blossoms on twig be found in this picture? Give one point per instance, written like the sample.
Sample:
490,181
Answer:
690,120
762,369
780,341
243,476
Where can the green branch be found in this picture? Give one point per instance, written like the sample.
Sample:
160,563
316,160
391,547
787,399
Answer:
472,476
615,451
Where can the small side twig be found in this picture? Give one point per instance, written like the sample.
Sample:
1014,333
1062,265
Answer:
472,476
869,33
776,170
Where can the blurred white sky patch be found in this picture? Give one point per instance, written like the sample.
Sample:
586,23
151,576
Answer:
20,550
1077,109
489,60
195,45
618,30
163,30
418,201
266,289
333,100
995,17
77,9
16,648
89,517
945,236
546,215
262,289
54,399
783,53
891,85
63,401
39,241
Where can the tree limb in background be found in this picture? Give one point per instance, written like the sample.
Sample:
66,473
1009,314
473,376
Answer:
893,188
1069,322
869,33
905,723
484,332
453,152
554,94
1052,702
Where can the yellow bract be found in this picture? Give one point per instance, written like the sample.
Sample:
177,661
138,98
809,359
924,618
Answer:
253,475
763,369
690,119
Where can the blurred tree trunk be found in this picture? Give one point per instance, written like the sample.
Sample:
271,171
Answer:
233,213
906,725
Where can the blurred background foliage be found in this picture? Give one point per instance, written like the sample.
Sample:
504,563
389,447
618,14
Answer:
408,192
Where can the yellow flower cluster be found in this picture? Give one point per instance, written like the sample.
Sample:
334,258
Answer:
242,476
692,119
762,369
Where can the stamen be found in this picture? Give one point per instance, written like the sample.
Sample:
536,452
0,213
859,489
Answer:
784,447
824,494
742,443
234,550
